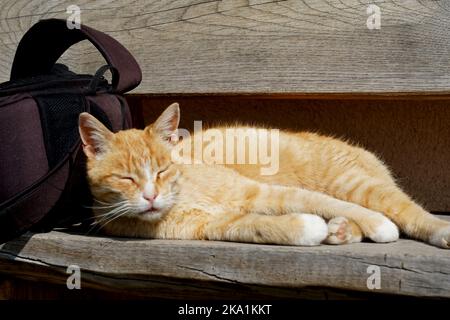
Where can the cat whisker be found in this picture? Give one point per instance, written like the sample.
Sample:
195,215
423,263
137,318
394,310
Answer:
102,202
106,205
113,207
96,217
116,216
107,213
111,215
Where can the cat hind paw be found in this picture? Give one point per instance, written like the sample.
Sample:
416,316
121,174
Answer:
341,231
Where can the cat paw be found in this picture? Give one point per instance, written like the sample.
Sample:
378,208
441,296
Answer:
341,230
384,231
441,238
314,230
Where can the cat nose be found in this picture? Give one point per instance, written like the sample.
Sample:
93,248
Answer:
150,198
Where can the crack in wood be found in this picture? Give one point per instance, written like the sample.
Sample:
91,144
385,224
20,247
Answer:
210,274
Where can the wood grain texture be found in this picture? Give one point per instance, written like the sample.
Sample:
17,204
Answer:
258,46
163,268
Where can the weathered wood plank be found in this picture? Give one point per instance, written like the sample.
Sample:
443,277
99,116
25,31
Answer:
406,267
239,46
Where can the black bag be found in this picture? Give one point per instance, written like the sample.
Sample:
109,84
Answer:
42,166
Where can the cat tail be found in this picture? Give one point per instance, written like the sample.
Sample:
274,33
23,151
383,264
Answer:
386,197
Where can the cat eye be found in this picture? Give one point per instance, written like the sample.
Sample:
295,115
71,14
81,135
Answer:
128,179
158,174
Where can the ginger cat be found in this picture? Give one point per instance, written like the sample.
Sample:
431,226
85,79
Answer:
143,193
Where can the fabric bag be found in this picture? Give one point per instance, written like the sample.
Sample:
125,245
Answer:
42,166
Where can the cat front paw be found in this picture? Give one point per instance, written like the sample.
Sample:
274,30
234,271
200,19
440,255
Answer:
314,230
384,231
341,231
441,238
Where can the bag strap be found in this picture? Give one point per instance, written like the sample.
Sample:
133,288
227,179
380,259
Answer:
47,40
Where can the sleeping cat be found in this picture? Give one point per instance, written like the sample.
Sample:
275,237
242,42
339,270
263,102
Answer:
142,192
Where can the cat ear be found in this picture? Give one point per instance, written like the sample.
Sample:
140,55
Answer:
167,123
94,135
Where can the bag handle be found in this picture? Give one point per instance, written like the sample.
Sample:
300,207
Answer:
47,40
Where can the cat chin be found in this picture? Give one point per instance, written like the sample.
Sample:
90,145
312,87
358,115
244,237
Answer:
152,216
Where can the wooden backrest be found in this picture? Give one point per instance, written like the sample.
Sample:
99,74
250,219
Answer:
260,46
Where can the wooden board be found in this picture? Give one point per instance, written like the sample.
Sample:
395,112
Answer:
258,46
163,268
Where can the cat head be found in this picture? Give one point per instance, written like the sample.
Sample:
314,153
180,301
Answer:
130,172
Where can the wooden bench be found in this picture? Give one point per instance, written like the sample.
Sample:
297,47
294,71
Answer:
218,270
294,64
